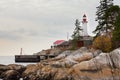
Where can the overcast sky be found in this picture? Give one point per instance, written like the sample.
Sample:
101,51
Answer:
35,24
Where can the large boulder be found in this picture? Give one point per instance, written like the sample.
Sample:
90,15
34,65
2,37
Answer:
68,59
38,72
49,51
41,72
104,60
55,51
115,58
19,68
31,70
101,61
3,68
10,75
83,54
63,55
82,64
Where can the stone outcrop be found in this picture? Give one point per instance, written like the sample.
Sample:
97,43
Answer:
19,68
11,71
81,64
41,72
104,60
49,51
63,55
3,68
10,75
115,58
69,59
38,72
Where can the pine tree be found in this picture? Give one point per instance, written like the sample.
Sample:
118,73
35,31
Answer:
111,15
77,32
116,33
103,21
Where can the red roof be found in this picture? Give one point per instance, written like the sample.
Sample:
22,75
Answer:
84,19
58,42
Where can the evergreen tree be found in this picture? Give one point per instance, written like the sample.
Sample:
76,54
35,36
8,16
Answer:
111,15
116,33
103,21
77,32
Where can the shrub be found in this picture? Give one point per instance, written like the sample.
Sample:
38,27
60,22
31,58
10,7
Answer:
103,43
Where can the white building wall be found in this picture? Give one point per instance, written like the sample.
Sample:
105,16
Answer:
84,27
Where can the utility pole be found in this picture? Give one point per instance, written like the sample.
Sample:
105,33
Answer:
21,51
67,36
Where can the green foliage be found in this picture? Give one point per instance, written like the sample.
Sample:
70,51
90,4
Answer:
76,35
103,43
108,17
74,44
102,20
113,8
77,32
116,33
111,15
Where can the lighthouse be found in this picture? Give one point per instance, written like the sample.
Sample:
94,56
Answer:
84,25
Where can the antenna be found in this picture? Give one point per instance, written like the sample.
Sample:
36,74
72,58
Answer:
67,36
21,51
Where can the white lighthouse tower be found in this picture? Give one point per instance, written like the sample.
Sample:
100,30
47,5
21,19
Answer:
84,25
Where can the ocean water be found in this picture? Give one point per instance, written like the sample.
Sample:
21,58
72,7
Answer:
10,60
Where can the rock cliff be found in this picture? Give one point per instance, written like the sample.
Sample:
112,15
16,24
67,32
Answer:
81,64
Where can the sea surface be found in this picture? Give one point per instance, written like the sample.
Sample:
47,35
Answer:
10,60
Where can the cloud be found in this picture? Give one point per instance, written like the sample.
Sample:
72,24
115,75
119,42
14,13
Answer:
35,24
8,35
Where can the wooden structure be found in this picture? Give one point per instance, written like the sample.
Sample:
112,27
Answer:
80,44
27,58
61,44
32,58
43,57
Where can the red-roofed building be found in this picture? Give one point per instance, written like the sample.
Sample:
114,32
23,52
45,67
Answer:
58,42
62,44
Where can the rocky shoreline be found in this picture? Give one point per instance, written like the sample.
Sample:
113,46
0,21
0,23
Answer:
81,64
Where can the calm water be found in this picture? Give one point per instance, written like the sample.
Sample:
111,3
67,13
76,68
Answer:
10,60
